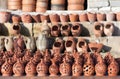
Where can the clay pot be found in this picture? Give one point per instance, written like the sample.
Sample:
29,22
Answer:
110,16
54,18
44,17
18,68
55,30
27,2
58,45
30,44
98,29
83,17
109,29
75,7
5,17
118,16
64,18
30,68
65,68
113,68
28,8
53,69
36,18
101,16
16,18
26,18
88,67
76,29
100,67
65,30
76,68
42,68
95,47
81,45
70,44
76,1
9,43
2,45
16,28
92,17
73,17
6,68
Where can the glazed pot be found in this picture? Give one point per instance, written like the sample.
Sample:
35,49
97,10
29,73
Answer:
83,17
2,44
28,8
76,1
5,17
26,18
109,29
81,45
58,45
65,68
70,44
9,43
75,7
36,18
16,28
42,68
95,47
101,16
76,29
16,18
64,18
18,68
73,17
92,17
65,30
98,29
54,18
110,16
55,30
118,16
44,17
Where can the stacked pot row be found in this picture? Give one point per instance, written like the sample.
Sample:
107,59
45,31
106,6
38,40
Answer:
41,63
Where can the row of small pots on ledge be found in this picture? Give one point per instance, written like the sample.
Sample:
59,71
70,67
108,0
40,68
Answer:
73,17
40,63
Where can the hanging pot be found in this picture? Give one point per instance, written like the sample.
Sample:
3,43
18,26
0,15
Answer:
26,18
5,17
16,18
83,17
110,16
92,17
101,16
73,17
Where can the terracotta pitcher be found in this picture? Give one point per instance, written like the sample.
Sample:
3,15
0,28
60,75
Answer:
9,43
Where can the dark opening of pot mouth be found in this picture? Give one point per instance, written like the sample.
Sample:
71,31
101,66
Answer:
69,43
81,44
54,28
75,27
97,27
57,44
94,49
107,26
65,27
15,27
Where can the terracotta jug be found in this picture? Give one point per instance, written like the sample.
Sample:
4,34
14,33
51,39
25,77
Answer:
53,69
81,45
42,42
76,29
110,16
98,29
92,16
109,29
9,43
65,68
101,16
113,68
88,68
65,29
42,68
2,45
45,28
73,17
76,68
55,30
18,68
100,67
70,44
95,47
6,69
16,28
30,44
30,68
58,45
